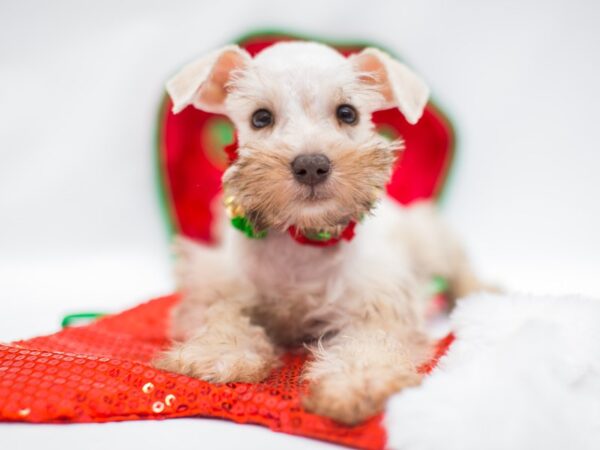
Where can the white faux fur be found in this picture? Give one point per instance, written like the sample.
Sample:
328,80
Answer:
523,373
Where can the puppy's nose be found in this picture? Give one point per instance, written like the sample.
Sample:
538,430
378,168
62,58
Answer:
311,169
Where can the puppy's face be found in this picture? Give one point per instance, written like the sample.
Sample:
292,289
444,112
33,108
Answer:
308,153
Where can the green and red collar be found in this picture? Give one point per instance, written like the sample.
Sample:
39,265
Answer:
320,239
323,239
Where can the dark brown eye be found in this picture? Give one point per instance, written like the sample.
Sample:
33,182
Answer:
262,118
347,114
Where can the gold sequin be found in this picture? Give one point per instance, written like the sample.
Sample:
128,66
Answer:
24,412
232,207
229,200
158,407
147,388
169,399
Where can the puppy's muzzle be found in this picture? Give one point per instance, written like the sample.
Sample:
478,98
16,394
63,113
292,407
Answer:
311,169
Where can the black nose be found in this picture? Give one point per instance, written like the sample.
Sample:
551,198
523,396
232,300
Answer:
311,169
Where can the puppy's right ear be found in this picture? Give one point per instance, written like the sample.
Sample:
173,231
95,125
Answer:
203,83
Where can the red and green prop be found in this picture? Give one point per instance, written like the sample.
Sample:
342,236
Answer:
101,372
195,147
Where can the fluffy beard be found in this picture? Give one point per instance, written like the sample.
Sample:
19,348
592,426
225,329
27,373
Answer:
262,186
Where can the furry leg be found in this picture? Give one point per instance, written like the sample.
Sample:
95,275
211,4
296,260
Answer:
227,347
217,341
354,373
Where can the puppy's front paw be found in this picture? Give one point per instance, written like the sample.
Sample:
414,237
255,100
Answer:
219,361
353,398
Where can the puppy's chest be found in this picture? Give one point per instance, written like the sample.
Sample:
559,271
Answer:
298,286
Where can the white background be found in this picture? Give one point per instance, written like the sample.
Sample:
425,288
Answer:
80,83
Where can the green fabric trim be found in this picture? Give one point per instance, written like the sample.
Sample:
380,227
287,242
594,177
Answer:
70,319
223,131
449,172
160,177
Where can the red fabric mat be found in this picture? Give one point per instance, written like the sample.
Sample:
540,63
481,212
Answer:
101,372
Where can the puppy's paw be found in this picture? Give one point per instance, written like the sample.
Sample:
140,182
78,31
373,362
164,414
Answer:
352,398
219,362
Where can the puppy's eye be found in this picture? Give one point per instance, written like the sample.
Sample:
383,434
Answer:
262,118
347,114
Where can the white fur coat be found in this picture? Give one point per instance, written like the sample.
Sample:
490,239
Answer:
523,373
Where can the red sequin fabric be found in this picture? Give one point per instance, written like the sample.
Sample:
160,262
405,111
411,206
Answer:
101,372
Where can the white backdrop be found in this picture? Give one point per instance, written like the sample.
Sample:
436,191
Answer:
80,82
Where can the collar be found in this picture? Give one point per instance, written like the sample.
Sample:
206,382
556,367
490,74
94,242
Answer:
323,239
239,221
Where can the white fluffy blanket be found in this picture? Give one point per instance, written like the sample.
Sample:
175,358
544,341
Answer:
523,373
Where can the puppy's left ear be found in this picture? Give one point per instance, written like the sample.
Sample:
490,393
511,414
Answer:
203,83
399,86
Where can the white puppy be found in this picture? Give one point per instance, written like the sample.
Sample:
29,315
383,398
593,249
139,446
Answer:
310,167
